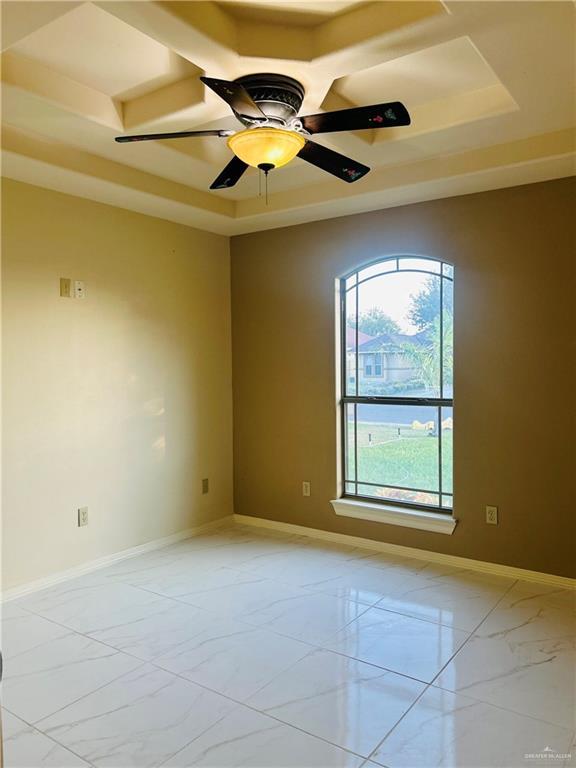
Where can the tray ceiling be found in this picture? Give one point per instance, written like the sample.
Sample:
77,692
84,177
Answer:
489,85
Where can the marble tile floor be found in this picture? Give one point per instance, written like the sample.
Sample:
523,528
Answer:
244,647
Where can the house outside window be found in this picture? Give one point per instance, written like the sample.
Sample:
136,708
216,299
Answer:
397,373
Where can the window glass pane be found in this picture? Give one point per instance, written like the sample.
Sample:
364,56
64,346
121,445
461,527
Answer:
389,265
428,265
351,282
399,319
447,501
448,336
447,432
397,446
349,442
351,339
448,270
385,493
350,488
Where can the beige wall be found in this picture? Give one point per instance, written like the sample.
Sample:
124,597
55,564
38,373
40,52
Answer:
514,252
120,402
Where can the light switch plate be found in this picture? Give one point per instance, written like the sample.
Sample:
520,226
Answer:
82,516
65,287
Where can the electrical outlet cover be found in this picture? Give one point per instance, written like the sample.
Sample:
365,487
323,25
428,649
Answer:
492,515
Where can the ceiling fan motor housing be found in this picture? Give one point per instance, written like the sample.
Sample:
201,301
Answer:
278,96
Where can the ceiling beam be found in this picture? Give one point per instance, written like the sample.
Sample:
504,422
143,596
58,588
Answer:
30,76
20,19
98,167
184,96
199,32
374,33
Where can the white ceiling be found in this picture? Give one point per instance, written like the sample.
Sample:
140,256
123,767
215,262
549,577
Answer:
489,86
447,70
90,46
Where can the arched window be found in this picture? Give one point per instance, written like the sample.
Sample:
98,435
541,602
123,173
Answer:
397,371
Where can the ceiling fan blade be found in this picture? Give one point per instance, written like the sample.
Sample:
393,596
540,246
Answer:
358,118
333,162
236,96
174,135
230,175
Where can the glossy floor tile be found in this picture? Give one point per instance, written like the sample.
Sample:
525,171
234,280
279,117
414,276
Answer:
26,747
399,643
312,618
450,596
247,739
134,569
352,579
182,578
48,666
233,658
162,630
570,760
236,596
89,606
140,719
289,565
249,648
522,657
342,700
454,731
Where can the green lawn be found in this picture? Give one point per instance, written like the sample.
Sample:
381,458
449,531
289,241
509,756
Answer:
404,457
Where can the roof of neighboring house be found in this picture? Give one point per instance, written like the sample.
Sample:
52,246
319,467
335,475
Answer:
391,341
363,338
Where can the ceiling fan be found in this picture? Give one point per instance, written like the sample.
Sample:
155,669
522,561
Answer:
268,105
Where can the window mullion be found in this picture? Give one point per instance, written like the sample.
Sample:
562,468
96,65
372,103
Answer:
441,336
356,342
356,449
433,402
440,455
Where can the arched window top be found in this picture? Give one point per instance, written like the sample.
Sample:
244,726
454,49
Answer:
397,374
408,263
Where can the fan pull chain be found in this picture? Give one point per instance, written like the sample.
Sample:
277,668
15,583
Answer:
266,167
259,183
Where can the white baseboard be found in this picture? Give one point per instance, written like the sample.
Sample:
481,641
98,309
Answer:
102,562
355,541
419,554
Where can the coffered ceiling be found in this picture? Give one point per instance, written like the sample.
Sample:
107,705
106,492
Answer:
490,87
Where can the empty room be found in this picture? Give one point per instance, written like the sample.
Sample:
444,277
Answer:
288,384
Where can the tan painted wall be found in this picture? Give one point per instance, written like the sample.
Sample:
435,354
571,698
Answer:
515,433
121,402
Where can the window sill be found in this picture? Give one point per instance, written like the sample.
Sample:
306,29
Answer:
408,518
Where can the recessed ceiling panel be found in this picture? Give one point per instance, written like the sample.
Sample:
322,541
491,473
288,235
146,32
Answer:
440,72
299,12
97,49
489,87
